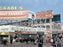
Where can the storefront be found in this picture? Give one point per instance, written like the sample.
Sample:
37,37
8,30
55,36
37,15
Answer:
55,34
12,33
40,33
4,35
28,34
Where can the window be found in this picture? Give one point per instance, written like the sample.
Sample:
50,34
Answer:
48,26
56,26
38,26
47,20
38,21
56,18
35,26
43,20
43,26
26,21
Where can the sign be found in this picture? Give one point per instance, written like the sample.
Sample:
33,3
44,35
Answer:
28,32
31,15
44,15
4,33
11,8
11,28
11,33
13,15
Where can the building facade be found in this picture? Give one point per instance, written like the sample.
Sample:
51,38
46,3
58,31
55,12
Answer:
52,25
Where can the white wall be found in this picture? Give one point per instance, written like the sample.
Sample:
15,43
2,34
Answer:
62,27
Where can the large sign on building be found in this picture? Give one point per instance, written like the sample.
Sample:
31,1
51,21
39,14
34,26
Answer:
13,15
11,28
44,15
11,8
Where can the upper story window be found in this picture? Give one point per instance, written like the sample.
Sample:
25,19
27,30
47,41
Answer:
43,26
47,20
56,26
38,21
26,21
35,26
48,26
43,20
38,26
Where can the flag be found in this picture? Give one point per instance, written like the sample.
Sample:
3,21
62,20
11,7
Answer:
32,16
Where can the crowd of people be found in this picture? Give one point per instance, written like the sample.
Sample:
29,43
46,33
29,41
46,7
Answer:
55,42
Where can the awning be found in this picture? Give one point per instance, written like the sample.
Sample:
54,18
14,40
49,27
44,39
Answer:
28,32
56,32
4,33
40,33
11,33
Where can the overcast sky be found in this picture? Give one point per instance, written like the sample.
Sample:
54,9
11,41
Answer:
37,5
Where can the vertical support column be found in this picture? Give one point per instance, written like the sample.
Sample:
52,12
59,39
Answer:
11,21
51,26
9,38
24,23
40,22
7,21
50,20
31,23
45,24
36,21
20,23
45,20
16,22
28,23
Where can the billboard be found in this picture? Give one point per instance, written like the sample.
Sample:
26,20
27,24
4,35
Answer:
13,15
44,15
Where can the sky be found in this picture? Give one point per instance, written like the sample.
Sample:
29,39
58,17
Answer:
37,5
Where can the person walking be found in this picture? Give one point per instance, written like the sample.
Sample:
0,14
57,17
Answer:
11,39
5,42
26,40
51,42
40,42
35,42
58,44
54,45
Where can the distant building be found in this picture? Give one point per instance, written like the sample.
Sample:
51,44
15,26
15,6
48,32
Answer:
52,24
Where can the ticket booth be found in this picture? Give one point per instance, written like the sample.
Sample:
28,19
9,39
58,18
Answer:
4,35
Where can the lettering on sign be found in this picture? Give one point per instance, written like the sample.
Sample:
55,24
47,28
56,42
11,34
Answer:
11,8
